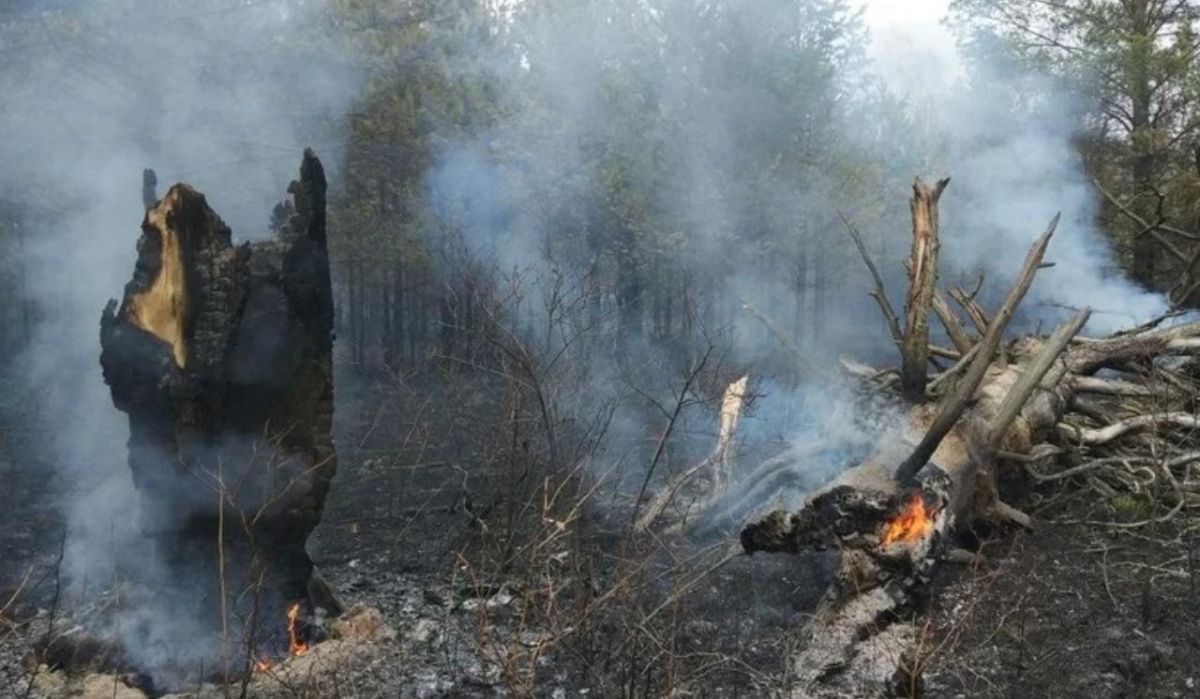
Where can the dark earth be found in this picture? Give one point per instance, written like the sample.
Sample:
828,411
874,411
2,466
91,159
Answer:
1078,607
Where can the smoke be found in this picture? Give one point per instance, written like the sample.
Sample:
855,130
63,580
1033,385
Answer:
223,95
717,144
1007,134
708,149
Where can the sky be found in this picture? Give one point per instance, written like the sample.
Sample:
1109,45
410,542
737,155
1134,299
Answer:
913,53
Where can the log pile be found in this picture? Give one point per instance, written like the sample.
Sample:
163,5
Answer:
1114,413
221,356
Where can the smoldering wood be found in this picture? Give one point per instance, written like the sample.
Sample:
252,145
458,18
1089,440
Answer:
994,413
860,635
221,356
1029,403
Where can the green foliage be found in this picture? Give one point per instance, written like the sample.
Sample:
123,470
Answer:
1136,61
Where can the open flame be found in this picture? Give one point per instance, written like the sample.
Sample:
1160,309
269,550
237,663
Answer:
295,645
913,524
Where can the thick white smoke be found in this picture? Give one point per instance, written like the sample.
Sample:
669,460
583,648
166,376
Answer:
223,95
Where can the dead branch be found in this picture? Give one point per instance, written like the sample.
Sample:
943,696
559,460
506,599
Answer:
719,462
1032,375
1112,387
957,401
799,359
1090,357
974,311
953,371
1104,435
880,293
958,335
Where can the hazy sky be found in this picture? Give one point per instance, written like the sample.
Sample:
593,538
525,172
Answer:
913,52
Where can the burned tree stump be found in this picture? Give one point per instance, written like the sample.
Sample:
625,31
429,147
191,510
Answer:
221,356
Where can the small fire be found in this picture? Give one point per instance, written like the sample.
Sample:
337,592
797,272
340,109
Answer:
295,645
913,524
262,665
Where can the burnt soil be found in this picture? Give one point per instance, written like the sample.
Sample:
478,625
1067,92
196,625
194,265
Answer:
1084,605
1074,608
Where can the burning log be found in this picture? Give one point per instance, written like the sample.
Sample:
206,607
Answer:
221,356
893,516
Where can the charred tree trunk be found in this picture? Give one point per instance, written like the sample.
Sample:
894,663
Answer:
221,356
149,188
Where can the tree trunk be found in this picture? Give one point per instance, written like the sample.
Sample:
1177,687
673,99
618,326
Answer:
398,300
1145,250
388,342
629,289
222,357
922,275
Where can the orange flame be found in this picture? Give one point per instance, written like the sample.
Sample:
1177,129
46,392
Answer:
262,665
913,524
295,645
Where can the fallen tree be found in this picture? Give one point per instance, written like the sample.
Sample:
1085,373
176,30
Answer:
1114,412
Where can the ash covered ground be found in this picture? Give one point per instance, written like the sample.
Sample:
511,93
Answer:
425,524
414,528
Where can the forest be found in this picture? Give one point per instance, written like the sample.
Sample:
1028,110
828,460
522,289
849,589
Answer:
611,348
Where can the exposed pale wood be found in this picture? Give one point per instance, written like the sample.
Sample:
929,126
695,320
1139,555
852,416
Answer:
922,282
1113,387
731,413
1003,512
953,408
1106,434
974,311
1090,357
1032,375
719,462
954,328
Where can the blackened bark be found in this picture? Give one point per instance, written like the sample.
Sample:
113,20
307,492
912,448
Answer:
221,355
149,188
